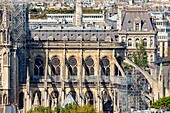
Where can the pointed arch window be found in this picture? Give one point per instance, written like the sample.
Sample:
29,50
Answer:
21,100
72,66
89,97
105,66
39,66
89,66
55,66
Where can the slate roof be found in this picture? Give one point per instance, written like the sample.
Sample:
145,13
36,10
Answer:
136,14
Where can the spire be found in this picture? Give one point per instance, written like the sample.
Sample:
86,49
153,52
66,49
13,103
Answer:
4,16
4,23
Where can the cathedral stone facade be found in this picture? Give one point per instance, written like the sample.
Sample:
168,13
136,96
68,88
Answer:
47,65
81,63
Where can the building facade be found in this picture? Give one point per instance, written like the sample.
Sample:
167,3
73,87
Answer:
76,62
135,25
161,20
42,66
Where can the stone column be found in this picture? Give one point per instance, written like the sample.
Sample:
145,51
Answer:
81,102
45,79
28,95
98,81
14,76
114,101
63,75
113,64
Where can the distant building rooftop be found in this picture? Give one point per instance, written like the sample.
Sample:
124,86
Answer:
71,28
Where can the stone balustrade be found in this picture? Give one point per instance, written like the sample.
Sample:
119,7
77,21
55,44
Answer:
85,79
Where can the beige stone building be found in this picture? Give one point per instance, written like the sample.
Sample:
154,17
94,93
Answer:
73,62
49,64
134,25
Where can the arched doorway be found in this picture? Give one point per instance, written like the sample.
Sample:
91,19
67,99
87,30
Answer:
107,102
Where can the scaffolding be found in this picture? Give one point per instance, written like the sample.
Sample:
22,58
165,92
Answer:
17,25
131,94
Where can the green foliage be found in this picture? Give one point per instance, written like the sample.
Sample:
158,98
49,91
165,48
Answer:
36,10
86,109
97,11
162,103
69,108
126,65
45,4
38,16
73,108
61,11
140,56
41,109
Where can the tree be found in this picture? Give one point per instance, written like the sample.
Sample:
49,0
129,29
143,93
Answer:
40,109
68,108
140,56
73,108
162,103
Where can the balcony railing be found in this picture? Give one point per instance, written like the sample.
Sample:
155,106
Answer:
104,78
72,78
53,78
118,80
75,78
91,78
37,78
